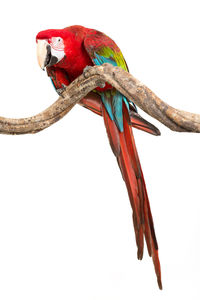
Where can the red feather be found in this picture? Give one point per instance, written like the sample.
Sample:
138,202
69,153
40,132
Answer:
123,146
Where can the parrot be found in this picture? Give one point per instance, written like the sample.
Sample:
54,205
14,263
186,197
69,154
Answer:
65,54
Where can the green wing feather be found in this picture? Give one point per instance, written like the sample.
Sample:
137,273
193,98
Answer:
102,50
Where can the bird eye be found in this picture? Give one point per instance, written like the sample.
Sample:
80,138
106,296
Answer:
57,43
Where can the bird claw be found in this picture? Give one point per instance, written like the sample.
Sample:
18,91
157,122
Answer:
101,84
61,90
85,71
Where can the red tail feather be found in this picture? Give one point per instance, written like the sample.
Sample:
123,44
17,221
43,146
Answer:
123,146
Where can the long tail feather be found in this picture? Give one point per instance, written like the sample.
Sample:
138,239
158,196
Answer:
138,122
124,148
92,102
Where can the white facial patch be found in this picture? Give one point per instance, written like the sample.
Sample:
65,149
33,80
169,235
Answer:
57,43
57,53
57,47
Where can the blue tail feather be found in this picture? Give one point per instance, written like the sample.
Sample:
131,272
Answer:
113,104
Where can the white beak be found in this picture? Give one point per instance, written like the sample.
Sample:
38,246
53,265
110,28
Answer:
42,53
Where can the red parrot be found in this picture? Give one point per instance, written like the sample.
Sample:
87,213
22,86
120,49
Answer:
65,53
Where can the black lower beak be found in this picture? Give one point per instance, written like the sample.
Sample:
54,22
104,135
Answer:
50,60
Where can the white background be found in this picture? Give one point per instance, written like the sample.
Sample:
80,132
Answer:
65,219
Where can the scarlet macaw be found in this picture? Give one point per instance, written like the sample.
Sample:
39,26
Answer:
65,53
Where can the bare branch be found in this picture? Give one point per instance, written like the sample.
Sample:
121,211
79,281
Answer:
133,89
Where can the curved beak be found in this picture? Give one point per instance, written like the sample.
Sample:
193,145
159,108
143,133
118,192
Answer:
44,56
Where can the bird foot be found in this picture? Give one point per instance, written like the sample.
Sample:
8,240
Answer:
85,71
60,91
86,74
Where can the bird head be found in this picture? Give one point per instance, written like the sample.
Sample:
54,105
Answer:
50,47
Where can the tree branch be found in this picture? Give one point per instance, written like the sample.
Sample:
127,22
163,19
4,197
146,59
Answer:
124,82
